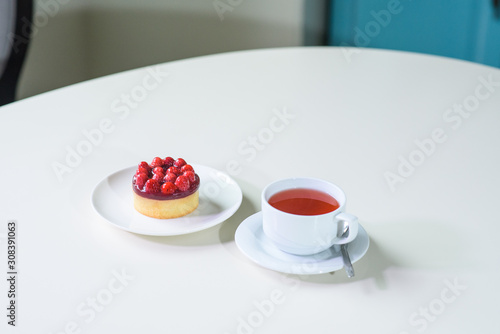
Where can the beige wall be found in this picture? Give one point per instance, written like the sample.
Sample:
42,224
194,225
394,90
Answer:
76,40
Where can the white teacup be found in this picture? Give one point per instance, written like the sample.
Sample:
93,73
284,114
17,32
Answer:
306,234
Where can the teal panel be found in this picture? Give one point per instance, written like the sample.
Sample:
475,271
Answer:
464,29
487,42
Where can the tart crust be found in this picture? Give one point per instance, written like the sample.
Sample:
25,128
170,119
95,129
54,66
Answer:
165,209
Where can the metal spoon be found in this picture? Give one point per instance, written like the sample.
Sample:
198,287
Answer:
345,255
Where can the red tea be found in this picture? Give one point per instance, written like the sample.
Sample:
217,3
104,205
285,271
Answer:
302,201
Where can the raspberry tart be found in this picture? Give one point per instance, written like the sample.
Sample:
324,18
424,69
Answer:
166,188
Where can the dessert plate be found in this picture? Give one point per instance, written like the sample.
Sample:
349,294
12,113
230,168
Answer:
252,241
220,197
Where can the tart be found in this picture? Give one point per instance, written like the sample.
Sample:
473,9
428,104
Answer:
165,188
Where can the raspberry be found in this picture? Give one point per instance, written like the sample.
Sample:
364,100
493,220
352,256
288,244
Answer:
152,186
190,175
179,162
170,177
137,174
140,180
182,183
142,170
158,177
157,162
174,170
157,170
144,164
168,188
185,168
168,162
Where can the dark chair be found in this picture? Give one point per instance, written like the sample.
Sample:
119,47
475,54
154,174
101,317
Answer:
15,40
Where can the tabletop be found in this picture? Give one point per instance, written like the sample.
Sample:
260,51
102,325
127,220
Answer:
411,139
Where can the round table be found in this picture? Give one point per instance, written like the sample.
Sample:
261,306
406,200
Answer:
411,139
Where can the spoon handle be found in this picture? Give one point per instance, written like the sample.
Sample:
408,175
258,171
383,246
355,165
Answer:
347,261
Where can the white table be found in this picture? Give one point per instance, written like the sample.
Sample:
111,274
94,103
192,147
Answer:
413,140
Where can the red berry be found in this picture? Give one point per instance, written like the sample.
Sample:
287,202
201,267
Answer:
144,175
152,186
168,162
182,183
168,188
190,175
170,177
144,164
142,170
157,162
157,170
185,168
179,162
158,177
140,180
174,170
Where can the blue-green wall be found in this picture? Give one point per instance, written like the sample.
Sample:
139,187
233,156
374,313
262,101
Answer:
465,29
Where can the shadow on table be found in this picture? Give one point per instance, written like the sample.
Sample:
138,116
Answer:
402,247
215,235
371,266
228,228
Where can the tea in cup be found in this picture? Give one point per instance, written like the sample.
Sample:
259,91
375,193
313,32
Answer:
305,216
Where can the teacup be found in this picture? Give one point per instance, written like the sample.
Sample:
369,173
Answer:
297,223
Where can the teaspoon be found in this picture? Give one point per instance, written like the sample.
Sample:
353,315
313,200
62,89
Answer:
345,255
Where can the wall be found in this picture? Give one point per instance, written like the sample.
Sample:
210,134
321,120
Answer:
77,40
466,29
56,56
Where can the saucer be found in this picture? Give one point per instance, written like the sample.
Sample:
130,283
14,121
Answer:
220,197
252,241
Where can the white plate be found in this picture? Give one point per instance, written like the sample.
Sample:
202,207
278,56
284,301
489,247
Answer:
220,197
252,241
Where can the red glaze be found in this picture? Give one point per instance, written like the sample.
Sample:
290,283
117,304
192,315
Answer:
165,179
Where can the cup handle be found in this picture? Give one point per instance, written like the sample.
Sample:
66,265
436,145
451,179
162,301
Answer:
352,221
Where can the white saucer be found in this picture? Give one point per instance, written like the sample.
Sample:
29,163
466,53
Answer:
252,241
220,197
